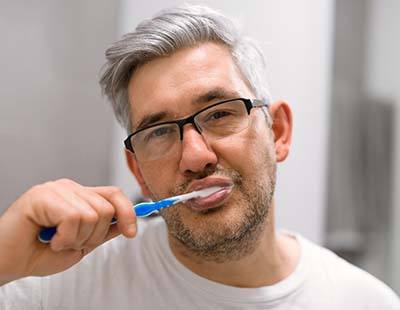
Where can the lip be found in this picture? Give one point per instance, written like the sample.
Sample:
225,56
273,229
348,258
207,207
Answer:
209,182
214,200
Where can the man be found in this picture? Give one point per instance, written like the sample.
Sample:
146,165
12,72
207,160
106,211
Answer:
190,92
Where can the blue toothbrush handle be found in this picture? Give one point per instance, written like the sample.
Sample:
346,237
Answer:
142,209
46,234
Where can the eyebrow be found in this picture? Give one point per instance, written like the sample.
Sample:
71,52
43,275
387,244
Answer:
151,119
214,94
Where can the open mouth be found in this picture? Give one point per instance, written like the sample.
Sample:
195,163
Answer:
212,201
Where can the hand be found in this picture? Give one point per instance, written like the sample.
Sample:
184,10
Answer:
82,216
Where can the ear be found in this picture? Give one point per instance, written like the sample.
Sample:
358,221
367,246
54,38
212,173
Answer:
134,168
282,125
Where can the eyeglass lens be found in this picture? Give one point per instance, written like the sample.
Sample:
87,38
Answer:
214,123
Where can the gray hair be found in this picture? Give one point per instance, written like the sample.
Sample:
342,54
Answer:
171,30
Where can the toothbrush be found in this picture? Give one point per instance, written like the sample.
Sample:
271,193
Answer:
143,209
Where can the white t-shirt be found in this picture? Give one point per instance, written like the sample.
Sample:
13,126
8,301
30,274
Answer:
142,273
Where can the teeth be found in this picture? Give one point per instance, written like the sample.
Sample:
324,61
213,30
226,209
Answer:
214,190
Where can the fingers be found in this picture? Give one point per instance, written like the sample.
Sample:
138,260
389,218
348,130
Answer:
105,212
83,214
51,209
123,209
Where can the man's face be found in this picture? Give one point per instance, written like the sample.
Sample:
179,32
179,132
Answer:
181,85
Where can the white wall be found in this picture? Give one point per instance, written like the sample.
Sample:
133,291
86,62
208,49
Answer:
53,121
382,81
296,37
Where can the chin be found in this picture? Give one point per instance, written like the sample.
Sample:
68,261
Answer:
221,232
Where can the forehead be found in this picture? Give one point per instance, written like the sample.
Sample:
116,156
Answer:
174,84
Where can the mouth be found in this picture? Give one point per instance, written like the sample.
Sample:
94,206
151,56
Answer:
212,201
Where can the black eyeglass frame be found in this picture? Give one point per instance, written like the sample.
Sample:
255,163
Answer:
249,104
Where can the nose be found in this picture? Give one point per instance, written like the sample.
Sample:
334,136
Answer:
197,154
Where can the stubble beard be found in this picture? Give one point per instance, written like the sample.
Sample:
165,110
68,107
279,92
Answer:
228,241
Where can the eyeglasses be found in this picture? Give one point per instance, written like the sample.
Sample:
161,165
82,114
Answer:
214,122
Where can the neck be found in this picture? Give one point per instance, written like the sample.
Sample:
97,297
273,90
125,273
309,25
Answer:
274,257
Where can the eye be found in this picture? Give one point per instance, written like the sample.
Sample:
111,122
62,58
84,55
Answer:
160,132
218,115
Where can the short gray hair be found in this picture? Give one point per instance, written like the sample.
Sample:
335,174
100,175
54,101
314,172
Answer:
171,30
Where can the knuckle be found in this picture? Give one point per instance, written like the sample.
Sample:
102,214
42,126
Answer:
90,217
102,206
38,189
41,196
47,187
65,182
50,202
73,216
115,191
107,210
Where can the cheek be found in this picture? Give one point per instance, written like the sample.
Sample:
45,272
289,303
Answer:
261,140
159,177
247,151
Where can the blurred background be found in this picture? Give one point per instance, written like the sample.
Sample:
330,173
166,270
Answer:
335,62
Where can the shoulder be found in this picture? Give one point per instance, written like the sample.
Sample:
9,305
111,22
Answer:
349,281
